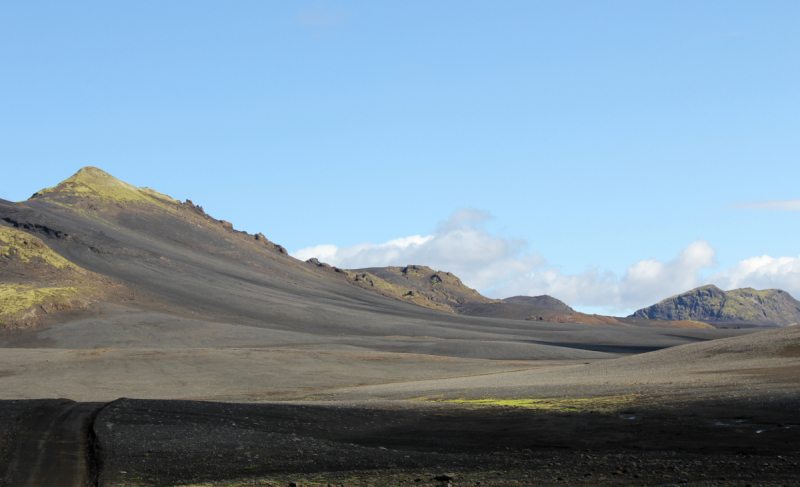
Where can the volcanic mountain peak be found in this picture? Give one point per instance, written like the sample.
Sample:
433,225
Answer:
91,182
711,304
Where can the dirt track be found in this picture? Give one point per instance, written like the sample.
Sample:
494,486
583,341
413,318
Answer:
52,446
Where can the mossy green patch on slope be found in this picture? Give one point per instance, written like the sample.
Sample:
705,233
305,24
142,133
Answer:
34,279
749,304
18,297
18,245
373,282
427,287
377,282
603,404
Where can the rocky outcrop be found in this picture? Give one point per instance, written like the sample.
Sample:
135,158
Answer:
392,287
712,304
437,289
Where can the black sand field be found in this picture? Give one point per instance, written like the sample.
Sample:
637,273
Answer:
652,419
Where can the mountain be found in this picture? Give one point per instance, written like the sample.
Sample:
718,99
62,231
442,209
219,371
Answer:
543,301
137,269
179,260
443,291
423,286
413,284
770,307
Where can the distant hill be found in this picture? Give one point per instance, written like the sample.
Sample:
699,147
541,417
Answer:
414,284
711,304
543,301
422,285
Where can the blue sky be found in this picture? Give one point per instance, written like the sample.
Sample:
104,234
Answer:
608,153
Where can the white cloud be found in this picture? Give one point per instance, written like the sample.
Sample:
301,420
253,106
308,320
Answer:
499,267
324,253
649,281
364,254
459,245
763,272
781,205
643,284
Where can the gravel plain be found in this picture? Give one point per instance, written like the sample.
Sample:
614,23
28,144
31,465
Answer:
640,420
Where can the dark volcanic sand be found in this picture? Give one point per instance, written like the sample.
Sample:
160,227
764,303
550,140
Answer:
695,414
177,442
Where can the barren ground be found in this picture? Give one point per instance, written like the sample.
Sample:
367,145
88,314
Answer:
711,413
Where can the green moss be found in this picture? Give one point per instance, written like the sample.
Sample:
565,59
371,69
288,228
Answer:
746,304
378,283
92,182
18,297
23,247
156,194
417,271
601,404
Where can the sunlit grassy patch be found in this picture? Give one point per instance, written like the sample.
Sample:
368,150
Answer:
600,404
17,297
22,246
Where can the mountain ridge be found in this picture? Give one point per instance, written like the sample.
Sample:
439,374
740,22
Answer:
709,303
144,238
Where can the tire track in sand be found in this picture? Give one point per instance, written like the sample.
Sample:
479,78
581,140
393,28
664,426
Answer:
53,447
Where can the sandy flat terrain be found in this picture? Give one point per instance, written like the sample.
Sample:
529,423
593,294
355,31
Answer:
765,359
